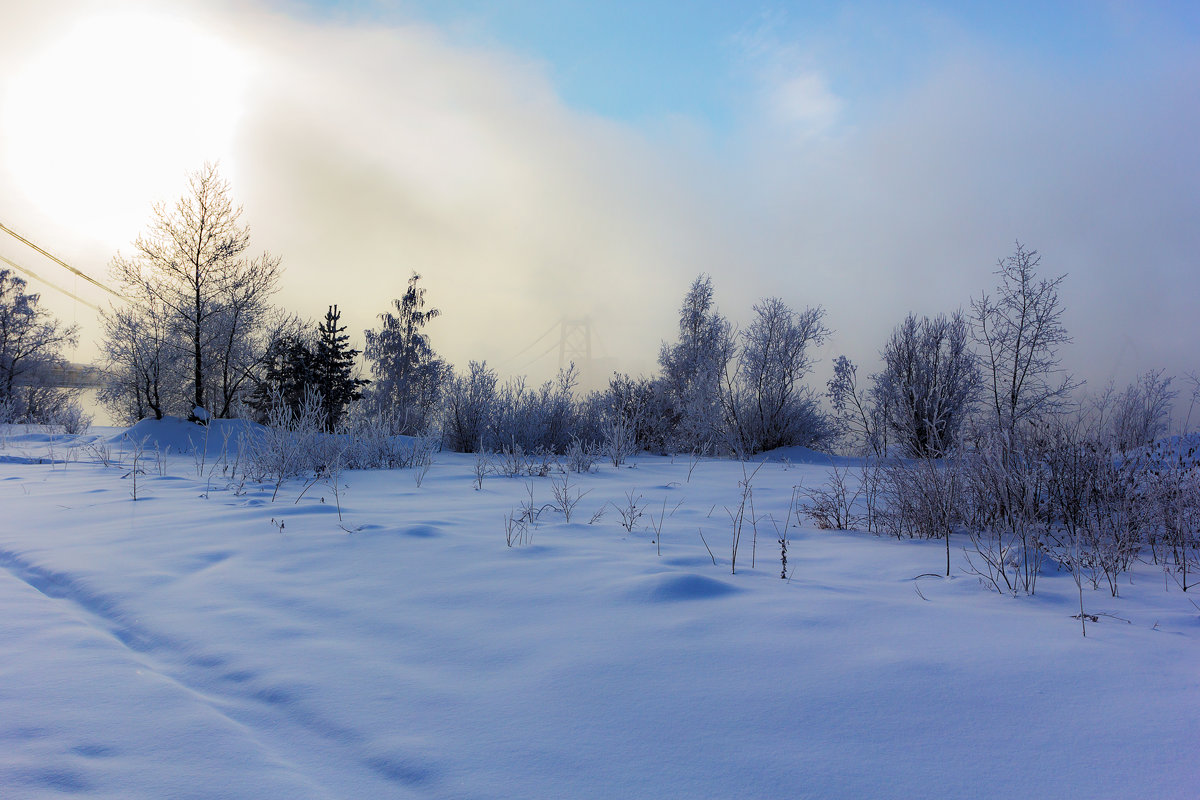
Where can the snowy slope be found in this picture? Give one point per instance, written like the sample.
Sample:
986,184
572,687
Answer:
188,645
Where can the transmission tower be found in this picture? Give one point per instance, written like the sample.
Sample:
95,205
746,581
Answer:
575,344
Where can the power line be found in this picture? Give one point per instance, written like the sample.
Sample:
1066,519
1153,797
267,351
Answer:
30,272
60,262
536,359
530,346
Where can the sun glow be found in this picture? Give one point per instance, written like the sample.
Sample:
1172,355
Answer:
111,116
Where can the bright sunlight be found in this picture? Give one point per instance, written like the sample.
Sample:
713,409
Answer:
113,112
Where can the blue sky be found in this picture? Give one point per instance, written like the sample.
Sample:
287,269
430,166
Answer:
639,61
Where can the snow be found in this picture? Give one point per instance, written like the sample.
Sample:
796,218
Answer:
203,641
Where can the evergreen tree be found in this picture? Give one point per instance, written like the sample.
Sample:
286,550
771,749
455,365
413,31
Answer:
334,369
288,367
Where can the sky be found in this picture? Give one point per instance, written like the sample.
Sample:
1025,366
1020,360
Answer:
536,161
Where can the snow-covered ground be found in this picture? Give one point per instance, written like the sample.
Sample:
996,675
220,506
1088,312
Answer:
204,641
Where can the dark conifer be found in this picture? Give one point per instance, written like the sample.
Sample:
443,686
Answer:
289,366
334,369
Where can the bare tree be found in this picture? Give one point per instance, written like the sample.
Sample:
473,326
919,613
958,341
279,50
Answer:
929,382
1139,415
860,419
192,265
144,367
1019,333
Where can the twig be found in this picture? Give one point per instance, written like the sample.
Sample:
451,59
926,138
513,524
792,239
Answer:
706,547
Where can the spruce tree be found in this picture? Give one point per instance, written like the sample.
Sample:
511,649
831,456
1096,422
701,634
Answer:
334,369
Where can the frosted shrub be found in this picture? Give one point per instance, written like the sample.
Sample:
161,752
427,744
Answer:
420,456
555,410
9,409
859,418
1171,509
566,496
923,499
582,457
369,443
831,507
692,368
510,461
650,411
620,441
1101,506
541,420
290,444
631,510
72,418
1007,488
1139,415
929,384
469,406
513,461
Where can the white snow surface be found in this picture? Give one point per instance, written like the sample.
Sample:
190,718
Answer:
205,642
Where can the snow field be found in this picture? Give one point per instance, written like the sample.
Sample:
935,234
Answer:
184,645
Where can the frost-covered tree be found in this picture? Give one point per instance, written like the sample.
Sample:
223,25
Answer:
469,409
693,366
1019,332
928,385
407,373
765,402
859,418
144,368
191,267
646,407
31,342
1138,415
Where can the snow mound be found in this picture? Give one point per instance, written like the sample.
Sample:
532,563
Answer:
672,587
185,438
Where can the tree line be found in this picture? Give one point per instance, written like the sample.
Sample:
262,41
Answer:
199,337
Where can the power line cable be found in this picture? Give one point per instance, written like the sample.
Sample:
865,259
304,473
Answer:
536,359
33,274
531,345
60,262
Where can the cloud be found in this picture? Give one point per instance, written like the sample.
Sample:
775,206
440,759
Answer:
380,153
805,101
366,152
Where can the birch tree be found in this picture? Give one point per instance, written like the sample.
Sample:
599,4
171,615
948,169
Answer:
192,266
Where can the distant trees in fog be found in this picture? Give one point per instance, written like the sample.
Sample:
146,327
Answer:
1001,451
1000,366
31,342
199,332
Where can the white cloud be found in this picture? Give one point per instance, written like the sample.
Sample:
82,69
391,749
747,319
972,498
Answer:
806,101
